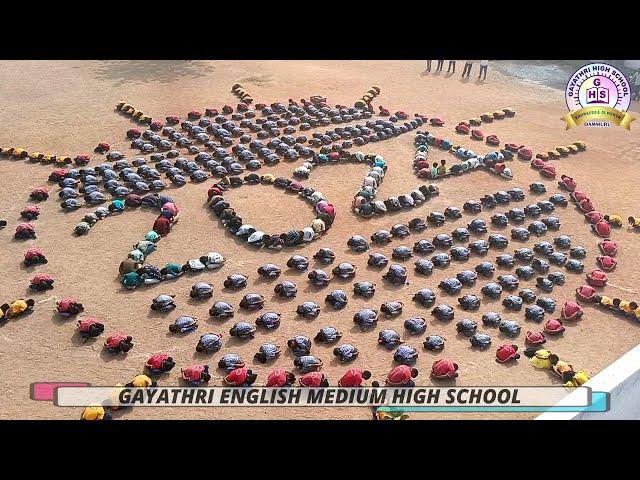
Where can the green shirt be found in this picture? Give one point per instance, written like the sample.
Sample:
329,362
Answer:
152,236
173,269
131,280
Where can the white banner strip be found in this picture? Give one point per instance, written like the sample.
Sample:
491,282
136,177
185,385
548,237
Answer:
319,397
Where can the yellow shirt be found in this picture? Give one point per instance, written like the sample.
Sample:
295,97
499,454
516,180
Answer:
17,307
114,398
141,381
637,312
636,222
606,301
92,413
616,219
541,359
562,367
625,306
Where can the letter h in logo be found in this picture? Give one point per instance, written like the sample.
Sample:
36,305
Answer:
597,95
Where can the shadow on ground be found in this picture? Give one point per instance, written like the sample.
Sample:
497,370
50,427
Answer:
128,71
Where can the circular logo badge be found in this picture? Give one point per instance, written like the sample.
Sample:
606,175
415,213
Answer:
598,95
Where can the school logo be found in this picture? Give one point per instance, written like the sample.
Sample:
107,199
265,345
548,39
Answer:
598,95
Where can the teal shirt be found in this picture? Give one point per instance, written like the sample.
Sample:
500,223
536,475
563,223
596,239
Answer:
131,280
152,236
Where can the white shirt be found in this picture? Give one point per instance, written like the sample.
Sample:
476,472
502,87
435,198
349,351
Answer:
308,234
484,63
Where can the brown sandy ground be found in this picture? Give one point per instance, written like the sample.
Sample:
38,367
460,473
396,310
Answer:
66,107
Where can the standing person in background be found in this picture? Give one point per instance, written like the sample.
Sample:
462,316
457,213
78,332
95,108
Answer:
440,63
483,69
428,69
635,81
466,71
452,63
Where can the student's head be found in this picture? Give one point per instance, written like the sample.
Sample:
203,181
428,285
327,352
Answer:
616,302
597,298
366,374
251,378
443,162
96,329
568,376
336,352
261,357
30,303
324,382
633,305
126,346
435,164
291,378
554,359
630,220
375,384
205,376
199,347
414,372
296,362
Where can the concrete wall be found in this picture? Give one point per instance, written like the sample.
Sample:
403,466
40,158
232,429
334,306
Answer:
622,380
632,63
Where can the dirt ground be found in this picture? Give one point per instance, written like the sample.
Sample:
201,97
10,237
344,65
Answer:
68,107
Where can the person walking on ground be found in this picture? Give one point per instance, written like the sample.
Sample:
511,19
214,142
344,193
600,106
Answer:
635,81
466,71
440,63
483,69
452,64
428,69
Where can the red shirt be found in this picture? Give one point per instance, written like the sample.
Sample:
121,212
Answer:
353,378
602,228
162,226
443,367
399,375
609,247
65,304
311,379
586,205
32,252
41,277
171,207
112,341
329,210
505,352
192,372
277,378
569,183
85,323
236,377
155,361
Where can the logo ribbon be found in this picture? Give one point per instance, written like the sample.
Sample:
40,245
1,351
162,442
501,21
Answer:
590,114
